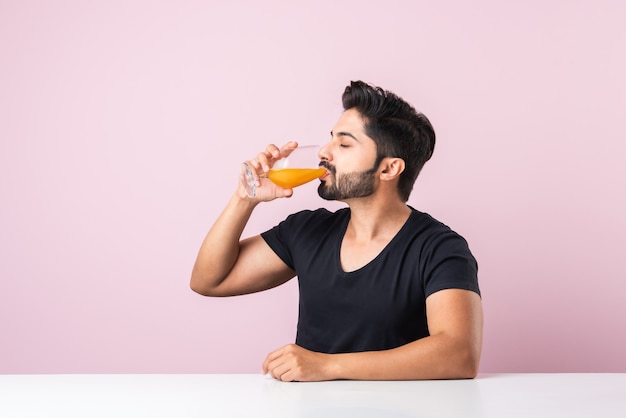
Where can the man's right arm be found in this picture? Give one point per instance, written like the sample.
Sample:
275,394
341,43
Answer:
226,266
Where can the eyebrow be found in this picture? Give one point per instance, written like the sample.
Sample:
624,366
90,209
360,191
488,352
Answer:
345,134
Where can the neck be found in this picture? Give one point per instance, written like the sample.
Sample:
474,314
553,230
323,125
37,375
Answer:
376,216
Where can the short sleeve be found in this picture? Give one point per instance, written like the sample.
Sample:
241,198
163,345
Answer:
449,264
279,239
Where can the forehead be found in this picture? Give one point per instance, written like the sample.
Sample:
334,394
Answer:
351,118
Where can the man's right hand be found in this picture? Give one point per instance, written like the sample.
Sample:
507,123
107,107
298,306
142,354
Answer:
260,166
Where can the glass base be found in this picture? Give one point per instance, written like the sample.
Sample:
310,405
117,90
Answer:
248,181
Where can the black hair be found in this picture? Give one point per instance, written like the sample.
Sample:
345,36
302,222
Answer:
397,128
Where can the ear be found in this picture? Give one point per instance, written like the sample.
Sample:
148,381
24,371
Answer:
391,168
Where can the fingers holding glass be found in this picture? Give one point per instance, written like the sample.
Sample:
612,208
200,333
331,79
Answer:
253,170
287,167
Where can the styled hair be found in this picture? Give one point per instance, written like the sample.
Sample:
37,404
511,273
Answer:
398,130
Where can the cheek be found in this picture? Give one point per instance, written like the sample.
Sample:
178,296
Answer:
354,163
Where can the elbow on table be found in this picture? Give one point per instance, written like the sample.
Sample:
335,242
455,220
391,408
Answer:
459,372
470,371
462,362
467,366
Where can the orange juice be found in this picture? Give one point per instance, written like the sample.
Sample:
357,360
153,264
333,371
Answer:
292,177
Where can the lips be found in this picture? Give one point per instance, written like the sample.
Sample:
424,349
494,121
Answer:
325,165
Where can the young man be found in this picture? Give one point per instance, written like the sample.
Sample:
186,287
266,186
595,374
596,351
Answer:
386,292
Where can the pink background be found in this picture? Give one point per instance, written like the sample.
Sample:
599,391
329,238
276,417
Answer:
123,123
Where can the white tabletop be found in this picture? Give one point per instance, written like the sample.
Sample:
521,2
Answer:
496,395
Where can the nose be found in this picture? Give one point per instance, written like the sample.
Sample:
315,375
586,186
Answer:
324,152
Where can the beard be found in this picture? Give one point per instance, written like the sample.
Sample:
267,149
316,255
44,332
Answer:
348,185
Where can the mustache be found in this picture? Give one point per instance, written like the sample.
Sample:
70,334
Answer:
327,166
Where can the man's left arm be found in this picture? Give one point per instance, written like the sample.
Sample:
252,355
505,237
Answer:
451,351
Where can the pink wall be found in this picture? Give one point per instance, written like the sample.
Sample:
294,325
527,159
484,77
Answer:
123,123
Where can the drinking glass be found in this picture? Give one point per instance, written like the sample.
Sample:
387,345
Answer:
296,169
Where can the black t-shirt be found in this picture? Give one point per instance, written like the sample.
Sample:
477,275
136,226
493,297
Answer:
381,305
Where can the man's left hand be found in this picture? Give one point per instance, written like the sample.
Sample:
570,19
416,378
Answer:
293,363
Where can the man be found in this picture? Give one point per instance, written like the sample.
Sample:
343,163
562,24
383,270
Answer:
386,291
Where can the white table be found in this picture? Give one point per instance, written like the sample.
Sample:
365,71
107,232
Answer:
181,396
